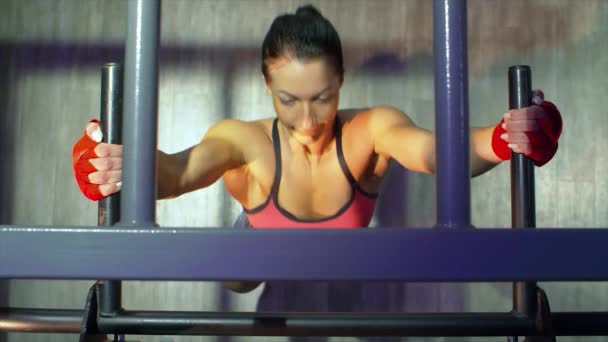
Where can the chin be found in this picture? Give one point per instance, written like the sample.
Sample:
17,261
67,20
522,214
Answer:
313,133
310,136
305,139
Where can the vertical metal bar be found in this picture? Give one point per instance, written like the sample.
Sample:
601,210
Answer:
109,207
111,115
523,209
140,108
452,173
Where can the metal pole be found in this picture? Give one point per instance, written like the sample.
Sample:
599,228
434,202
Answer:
140,109
290,324
523,211
452,173
109,207
294,324
40,320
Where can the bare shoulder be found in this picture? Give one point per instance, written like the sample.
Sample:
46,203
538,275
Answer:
247,138
239,132
375,119
386,115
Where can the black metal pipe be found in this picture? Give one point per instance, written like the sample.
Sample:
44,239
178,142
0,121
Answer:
111,117
523,211
109,207
40,320
580,323
290,324
110,298
282,324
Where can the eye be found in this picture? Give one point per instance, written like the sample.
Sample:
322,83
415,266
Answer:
324,99
287,102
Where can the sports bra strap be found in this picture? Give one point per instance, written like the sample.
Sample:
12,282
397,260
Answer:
341,160
274,190
277,155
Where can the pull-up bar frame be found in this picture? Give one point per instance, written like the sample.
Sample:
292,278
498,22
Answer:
150,253
137,249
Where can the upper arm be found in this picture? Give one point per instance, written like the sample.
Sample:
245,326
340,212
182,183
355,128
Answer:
396,136
220,150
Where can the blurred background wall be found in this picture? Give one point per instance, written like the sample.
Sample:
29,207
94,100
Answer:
51,52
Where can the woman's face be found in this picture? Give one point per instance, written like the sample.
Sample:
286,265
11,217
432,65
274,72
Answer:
305,95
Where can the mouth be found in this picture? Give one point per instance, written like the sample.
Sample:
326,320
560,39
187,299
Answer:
307,132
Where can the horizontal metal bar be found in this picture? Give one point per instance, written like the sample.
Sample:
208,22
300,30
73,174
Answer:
580,323
40,320
294,324
150,253
336,324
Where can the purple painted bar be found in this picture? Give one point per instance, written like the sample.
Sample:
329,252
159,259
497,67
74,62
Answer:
371,254
138,202
452,172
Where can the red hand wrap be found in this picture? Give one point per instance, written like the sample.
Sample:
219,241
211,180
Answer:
543,142
84,149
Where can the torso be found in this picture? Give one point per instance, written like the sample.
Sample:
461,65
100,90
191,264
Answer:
305,191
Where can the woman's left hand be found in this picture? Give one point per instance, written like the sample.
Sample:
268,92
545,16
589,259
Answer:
532,131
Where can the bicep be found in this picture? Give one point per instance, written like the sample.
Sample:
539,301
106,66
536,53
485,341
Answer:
207,161
397,137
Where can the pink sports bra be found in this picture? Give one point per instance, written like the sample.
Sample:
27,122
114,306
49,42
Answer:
356,213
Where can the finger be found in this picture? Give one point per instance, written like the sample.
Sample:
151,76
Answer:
523,148
538,97
107,164
105,177
108,189
93,131
539,93
515,138
108,150
520,126
528,113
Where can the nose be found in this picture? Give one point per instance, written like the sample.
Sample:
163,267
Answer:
308,118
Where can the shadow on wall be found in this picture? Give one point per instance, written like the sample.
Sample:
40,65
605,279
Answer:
487,43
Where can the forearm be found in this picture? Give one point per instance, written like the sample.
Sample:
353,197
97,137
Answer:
170,169
414,148
196,167
482,156
419,154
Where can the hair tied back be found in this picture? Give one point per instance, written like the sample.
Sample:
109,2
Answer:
308,10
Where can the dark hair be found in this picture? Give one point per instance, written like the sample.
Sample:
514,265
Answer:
304,35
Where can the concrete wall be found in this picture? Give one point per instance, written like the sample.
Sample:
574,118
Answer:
51,52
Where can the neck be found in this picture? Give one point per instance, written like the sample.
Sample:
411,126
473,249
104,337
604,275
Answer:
313,150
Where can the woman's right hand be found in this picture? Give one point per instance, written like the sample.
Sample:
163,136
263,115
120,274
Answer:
97,166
